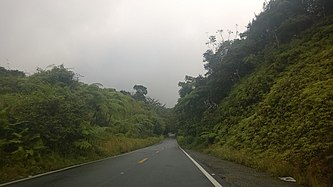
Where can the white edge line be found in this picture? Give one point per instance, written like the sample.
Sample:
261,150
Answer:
210,178
67,168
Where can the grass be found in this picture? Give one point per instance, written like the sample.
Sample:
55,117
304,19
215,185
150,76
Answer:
117,145
273,164
110,146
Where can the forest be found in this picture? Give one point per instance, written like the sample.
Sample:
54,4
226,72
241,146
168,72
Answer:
51,120
266,99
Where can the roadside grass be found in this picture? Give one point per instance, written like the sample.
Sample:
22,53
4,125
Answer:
274,165
317,173
264,162
117,145
110,146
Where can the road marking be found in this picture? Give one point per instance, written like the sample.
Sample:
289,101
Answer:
157,152
143,160
210,178
69,167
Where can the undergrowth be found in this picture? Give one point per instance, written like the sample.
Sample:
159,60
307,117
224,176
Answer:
110,146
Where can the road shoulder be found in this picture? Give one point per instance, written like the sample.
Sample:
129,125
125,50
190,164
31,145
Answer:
236,175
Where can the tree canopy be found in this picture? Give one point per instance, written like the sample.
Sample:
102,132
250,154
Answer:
52,113
267,95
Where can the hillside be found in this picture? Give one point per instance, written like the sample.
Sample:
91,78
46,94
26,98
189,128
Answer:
50,120
266,100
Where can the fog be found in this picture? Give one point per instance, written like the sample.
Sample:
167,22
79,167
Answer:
118,43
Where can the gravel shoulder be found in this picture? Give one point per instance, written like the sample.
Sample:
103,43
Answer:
230,174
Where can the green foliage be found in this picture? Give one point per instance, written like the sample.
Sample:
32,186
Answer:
12,73
140,92
51,112
268,96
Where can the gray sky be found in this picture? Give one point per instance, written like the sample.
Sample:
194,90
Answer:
118,43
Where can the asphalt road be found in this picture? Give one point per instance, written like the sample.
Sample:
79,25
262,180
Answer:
158,165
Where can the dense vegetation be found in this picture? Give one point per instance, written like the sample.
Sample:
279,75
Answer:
267,98
49,120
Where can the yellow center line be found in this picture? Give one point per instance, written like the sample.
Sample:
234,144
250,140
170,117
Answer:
143,160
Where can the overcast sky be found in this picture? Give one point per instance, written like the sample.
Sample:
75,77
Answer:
118,43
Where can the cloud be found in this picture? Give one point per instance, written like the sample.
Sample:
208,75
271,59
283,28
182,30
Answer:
118,43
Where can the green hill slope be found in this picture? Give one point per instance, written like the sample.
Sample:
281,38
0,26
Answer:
290,124
50,120
276,113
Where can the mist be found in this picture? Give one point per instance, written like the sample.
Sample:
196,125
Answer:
118,43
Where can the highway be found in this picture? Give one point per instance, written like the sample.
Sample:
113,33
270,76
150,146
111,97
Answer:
164,164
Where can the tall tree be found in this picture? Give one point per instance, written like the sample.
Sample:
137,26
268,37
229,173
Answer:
140,92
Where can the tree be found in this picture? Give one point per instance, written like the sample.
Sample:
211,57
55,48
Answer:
5,72
140,92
